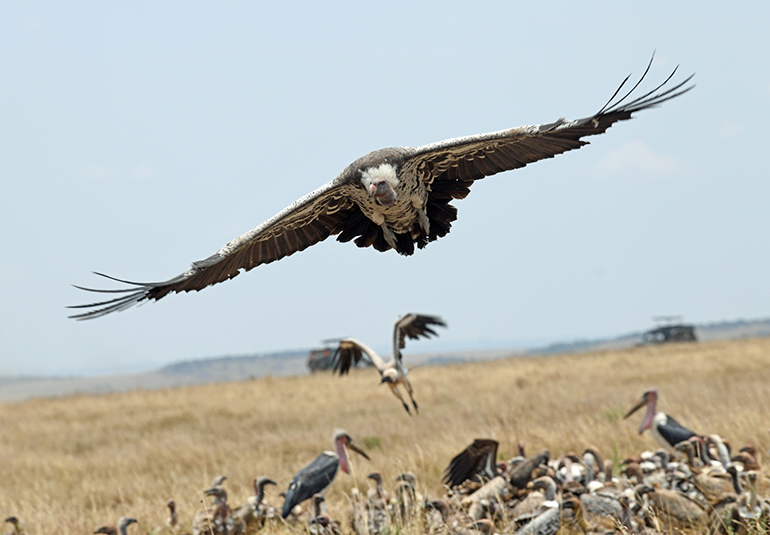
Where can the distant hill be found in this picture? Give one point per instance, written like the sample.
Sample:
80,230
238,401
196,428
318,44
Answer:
724,330
236,368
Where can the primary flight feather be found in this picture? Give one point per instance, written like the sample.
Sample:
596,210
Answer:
392,198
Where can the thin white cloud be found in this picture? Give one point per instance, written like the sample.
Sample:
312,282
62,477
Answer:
99,173
144,172
636,157
729,129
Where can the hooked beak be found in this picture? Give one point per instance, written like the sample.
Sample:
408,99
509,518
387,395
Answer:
372,189
356,448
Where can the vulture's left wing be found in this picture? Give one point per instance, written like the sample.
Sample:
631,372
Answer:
305,222
450,167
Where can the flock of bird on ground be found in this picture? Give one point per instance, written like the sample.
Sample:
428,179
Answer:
398,198
691,484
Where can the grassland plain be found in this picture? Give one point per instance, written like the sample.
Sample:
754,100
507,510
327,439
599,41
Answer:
70,464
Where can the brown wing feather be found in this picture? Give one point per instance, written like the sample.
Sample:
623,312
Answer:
415,326
470,462
345,356
451,166
306,222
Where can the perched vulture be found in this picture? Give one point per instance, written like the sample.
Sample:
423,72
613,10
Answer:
477,461
394,198
393,373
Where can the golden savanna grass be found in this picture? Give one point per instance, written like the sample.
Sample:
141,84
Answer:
69,465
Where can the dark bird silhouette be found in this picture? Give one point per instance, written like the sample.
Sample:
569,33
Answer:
477,461
395,198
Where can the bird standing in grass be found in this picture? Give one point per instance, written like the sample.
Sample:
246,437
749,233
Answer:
319,474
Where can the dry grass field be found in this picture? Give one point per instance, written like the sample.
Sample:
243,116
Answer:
72,464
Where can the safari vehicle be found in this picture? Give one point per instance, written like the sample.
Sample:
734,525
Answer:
673,331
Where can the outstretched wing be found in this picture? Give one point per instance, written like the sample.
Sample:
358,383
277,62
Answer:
413,326
478,459
350,352
452,166
307,221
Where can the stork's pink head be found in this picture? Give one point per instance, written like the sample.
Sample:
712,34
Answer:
341,440
649,398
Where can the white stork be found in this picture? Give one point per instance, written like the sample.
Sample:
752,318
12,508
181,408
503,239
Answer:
393,372
666,431
319,474
392,198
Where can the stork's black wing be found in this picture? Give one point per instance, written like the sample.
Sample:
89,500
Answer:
478,459
305,222
452,166
311,480
673,432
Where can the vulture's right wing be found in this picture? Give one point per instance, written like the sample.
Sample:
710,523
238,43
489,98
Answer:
350,352
305,222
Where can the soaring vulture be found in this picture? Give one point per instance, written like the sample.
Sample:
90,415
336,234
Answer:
392,198
393,373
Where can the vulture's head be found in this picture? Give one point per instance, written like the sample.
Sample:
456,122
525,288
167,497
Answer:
389,376
380,182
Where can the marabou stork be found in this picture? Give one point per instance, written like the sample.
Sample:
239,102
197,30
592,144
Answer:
319,474
393,372
666,431
395,198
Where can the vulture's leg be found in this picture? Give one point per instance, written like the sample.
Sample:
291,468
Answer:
421,214
397,393
389,236
408,387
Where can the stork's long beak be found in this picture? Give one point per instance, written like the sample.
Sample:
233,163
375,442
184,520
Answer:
647,399
356,448
642,402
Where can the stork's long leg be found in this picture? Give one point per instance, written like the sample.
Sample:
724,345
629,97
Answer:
397,393
408,387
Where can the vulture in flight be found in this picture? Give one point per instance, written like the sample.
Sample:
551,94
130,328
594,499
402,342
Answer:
393,373
395,198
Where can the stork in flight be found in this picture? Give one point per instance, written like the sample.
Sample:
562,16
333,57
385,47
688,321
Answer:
319,474
393,372
666,431
395,198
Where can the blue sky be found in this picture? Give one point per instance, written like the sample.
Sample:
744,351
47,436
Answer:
137,138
